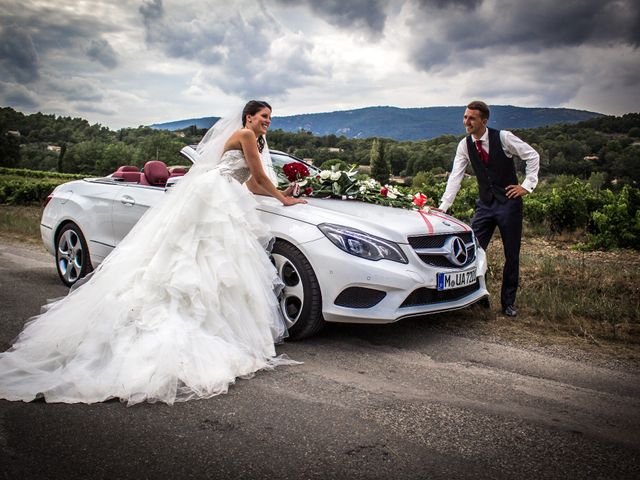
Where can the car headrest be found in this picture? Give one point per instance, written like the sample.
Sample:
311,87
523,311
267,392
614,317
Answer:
127,168
177,171
156,172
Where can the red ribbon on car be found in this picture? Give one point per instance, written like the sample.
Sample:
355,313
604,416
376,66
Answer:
430,229
449,219
424,216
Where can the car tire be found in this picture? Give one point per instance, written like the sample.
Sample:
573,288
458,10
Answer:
72,254
301,299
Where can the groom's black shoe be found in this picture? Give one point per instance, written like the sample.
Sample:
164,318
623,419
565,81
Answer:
510,311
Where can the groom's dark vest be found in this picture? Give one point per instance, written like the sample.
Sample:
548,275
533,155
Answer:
501,171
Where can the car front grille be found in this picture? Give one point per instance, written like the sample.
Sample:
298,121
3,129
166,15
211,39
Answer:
437,241
426,296
433,249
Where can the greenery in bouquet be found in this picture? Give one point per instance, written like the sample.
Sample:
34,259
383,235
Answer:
346,185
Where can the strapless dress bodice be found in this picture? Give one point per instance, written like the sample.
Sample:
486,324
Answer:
234,165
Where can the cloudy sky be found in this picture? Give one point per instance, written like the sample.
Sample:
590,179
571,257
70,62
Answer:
144,61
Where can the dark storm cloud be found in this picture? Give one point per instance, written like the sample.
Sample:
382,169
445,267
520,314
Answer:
151,10
244,52
18,56
443,32
17,96
93,108
252,79
101,51
354,14
191,38
74,89
52,28
468,4
37,39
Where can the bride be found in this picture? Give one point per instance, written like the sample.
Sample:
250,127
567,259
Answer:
183,306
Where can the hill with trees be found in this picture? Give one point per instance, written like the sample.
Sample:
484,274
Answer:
404,123
608,146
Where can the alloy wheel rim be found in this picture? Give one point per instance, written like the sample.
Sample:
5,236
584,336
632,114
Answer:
292,295
70,256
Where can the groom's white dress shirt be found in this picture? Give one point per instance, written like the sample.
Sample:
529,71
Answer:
511,145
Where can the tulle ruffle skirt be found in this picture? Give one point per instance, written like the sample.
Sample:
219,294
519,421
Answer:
182,307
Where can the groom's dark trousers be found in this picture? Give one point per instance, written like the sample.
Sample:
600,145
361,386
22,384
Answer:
507,217
495,209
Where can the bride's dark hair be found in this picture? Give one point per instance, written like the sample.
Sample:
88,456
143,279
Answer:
251,108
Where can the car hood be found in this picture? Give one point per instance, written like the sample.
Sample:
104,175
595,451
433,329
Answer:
391,223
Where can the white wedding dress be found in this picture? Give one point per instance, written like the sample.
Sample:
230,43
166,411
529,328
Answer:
182,307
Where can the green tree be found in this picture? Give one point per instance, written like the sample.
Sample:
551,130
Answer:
341,165
380,167
9,149
397,156
63,150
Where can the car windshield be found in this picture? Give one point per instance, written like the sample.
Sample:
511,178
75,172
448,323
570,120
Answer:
281,159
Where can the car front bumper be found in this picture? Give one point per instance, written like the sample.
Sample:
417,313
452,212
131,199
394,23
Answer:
339,272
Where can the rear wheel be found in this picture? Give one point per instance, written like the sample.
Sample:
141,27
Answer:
72,254
301,300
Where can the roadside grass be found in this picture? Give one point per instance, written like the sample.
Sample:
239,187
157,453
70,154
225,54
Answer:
592,296
21,223
565,295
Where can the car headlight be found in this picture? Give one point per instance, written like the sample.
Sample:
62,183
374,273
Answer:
362,244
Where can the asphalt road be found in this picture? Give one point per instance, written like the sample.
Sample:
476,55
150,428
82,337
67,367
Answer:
410,400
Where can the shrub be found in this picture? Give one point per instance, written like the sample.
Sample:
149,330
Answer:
617,223
24,172
18,191
568,207
340,164
535,209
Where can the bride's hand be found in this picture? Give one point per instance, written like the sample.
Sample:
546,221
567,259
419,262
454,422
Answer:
288,201
287,192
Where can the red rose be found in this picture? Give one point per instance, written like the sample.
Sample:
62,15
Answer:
384,191
420,199
308,191
295,171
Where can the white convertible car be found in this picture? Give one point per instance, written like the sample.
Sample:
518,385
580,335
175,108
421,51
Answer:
341,260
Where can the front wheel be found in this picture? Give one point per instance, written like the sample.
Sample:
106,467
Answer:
72,255
301,299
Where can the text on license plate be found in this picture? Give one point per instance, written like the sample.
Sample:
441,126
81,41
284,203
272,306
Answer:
450,280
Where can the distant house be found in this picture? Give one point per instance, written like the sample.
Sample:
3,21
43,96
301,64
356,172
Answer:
14,133
179,134
591,158
396,180
364,169
54,148
335,150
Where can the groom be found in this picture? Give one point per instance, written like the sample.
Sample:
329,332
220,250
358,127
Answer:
491,153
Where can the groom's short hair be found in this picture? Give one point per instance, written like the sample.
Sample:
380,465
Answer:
482,107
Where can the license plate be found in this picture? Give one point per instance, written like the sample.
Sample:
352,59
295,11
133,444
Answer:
448,281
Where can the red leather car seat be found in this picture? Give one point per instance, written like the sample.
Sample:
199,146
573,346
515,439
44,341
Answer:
127,173
177,171
155,173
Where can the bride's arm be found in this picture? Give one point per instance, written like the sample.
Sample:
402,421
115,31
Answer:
254,188
261,183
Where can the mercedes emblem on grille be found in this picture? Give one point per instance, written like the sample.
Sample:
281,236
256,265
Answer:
457,251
